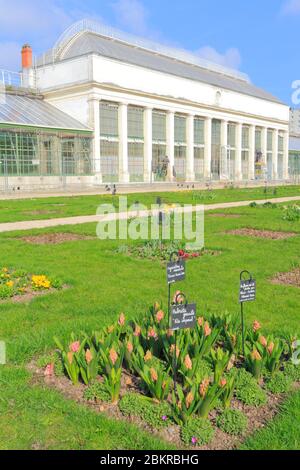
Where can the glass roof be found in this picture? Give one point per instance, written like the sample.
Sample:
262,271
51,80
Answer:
34,111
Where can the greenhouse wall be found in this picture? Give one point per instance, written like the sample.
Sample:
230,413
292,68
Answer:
40,158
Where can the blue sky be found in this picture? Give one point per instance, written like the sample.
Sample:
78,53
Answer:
259,37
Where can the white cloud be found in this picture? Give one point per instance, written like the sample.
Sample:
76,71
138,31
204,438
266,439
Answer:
132,15
231,58
291,7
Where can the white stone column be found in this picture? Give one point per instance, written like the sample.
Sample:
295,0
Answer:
264,150
286,145
147,144
275,154
190,166
94,120
123,144
238,152
252,151
170,142
224,170
207,148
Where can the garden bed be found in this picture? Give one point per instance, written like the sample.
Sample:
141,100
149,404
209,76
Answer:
291,278
54,238
126,371
157,250
20,286
265,234
225,216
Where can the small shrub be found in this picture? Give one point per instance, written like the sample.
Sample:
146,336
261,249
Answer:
232,422
156,415
6,292
292,371
248,391
291,213
253,205
97,391
197,431
279,383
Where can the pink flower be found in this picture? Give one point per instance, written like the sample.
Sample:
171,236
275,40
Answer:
164,418
207,329
256,326
122,319
154,375
113,356
152,333
223,383
188,362
194,440
137,331
263,341
159,316
49,371
70,357
88,356
74,347
204,387
271,348
200,321
129,347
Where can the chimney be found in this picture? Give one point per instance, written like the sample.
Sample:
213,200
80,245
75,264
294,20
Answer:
26,57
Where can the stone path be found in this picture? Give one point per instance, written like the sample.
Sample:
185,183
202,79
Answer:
85,219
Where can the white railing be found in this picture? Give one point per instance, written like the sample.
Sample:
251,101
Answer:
8,78
113,33
18,79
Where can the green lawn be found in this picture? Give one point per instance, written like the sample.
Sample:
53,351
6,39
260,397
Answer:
56,207
102,284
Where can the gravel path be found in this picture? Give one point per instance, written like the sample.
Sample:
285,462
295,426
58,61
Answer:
85,219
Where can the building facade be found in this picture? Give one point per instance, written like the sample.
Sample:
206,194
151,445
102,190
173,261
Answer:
159,114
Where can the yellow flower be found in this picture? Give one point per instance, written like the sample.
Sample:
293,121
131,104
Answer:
10,283
41,282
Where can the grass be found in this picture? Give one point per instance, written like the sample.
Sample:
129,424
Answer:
57,207
102,284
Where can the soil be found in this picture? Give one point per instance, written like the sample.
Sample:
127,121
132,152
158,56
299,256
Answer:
258,418
29,295
288,279
225,216
54,238
266,234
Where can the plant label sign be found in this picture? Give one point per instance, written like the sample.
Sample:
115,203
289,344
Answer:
183,316
176,272
248,291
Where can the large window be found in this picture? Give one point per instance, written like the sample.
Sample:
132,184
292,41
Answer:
199,148
180,146
259,158
109,145
159,145
245,152
231,150
215,149
269,154
280,155
136,143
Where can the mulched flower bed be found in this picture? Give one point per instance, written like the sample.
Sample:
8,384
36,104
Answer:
18,285
157,250
266,234
291,278
126,371
54,238
258,418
